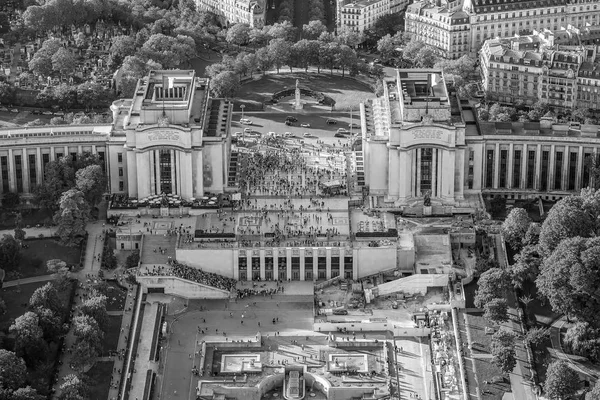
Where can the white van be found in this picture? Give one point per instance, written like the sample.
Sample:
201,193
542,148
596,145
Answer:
245,121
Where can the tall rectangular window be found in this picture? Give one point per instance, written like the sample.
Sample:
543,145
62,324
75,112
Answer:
120,157
586,170
516,180
503,168
530,169
19,172
4,169
489,169
545,164
45,161
32,170
558,167
572,178
101,158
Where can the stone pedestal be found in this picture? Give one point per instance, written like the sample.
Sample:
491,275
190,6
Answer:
427,210
164,211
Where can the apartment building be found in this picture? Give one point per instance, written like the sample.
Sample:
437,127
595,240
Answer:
531,68
361,15
441,25
251,12
507,18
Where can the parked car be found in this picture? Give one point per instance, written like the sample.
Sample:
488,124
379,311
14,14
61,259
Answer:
339,135
59,113
343,130
247,130
289,123
305,125
36,112
354,125
3,109
14,110
291,118
307,135
47,112
287,134
331,121
245,121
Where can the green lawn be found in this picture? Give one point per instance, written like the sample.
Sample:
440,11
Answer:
99,380
29,218
486,372
16,299
481,342
116,297
344,91
34,258
111,338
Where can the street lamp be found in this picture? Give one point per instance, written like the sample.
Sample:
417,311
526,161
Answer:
242,107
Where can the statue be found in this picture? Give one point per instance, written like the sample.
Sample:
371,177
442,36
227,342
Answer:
297,103
296,84
164,201
427,199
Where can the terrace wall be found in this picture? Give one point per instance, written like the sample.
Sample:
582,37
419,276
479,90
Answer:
217,261
181,287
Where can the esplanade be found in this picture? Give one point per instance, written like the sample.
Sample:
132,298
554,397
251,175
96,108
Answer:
418,140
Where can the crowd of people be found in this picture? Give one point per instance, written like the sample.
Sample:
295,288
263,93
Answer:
286,172
191,274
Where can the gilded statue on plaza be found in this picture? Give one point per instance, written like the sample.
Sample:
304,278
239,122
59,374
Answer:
427,199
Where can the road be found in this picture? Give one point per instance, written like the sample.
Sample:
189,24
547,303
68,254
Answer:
520,378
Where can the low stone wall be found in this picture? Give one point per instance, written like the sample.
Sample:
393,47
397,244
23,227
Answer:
181,287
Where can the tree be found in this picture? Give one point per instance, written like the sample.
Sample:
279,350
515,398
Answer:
386,46
95,307
584,340
73,214
496,310
306,53
537,336
538,109
28,337
169,51
72,388
283,30
46,297
26,393
86,329
259,37
280,51
515,227
91,181
92,95
503,350
348,37
561,381
63,62
458,70
3,308
491,285
238,34
13,371
263,57
484,264
566,219
11,200
594,394
59,177
527,266
225,84
10,253
532,236
345,58
570,279
389,24
50,323
132,260
313,30
84,354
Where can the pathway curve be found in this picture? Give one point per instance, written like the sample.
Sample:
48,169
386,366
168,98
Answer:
578,363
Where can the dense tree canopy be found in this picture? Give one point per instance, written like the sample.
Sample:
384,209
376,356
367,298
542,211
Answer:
13,371
71,217
503,349
570,279
492,285
10,253
515,227
561,381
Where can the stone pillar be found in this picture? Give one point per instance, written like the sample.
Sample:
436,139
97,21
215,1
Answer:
132,183
302,266
579,172
289,263
418,166
434,172
328,263
393,176
12,184
157,170
448,158
236,265
52,154
496,165
25,170
538,167
173,171
509,178
315,264
341,258
38,166
249,263
551,167
197,173
275,264
263,264
144,175
564,182
460,162
185,176
404,175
